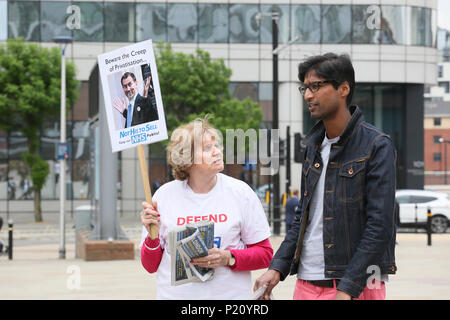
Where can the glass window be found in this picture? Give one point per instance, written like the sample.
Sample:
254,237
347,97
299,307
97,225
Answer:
3,21
80,140
305,22
366,21
53,20
3,145
80,179
445,85
242,90
119,22
403,199
283,23
416,26
364,100
437,121
23,20
437,157
49,140
392,25
91,22
265,95
436,139
17,145
182,22
213,22
3,179
19,183
244,27
431,28
336,24
422,199
151,21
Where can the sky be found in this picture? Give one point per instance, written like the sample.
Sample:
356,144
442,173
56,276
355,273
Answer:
443,14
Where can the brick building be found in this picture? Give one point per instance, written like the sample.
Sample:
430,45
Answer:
436,142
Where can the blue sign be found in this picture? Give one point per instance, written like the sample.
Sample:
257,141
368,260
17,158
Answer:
63,151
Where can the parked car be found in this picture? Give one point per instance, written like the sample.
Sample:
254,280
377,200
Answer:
414,205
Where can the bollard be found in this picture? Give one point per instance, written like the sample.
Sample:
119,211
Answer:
10,239
429,226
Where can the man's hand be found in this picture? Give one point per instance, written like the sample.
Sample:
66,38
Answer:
147,86
341,295
120,104
269,278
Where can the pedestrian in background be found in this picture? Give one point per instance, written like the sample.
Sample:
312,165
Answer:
291,205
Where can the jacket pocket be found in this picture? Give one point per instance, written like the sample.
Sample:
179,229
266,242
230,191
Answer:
351,176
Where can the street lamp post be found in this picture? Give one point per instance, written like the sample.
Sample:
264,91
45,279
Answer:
442,140
63,40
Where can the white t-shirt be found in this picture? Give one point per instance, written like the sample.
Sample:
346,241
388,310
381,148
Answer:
239,220
312,262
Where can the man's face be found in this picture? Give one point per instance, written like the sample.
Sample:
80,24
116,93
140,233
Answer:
324,103
130,87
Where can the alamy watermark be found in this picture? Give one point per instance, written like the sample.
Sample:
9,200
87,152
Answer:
241,147
74,279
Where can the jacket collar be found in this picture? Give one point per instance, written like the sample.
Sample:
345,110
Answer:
317,133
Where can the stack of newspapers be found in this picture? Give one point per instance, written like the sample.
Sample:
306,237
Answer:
186,243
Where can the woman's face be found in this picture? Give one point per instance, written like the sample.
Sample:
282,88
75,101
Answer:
211,155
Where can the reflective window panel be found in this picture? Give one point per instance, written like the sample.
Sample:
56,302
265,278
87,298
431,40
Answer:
305,23
3,179
244,27
182,22
283,23
91,27
393,25
151,19
53,20
336,24
3,20
19,182
213,22
416,25
23,20
119,22
366,24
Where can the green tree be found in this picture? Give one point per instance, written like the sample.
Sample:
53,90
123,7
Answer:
30,95
193,85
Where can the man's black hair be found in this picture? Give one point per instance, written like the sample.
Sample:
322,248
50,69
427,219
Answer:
330,66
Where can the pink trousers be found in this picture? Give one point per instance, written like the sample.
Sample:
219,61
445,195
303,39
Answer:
306,291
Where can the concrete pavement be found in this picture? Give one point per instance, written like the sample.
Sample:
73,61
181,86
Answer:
36,272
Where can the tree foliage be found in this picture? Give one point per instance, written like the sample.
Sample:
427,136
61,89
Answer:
193,85
30,95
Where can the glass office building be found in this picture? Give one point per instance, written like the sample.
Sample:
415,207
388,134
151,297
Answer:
392,45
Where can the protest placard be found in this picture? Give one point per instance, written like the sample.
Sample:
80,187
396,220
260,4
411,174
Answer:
133,102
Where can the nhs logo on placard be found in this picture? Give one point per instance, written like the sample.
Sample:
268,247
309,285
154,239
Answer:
138,138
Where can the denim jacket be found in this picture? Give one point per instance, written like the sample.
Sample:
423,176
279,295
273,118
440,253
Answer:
358,210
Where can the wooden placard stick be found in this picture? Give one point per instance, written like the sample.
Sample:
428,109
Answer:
146,183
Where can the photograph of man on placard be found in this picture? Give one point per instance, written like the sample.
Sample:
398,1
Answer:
136,108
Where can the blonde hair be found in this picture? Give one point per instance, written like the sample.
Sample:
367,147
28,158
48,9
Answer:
181,153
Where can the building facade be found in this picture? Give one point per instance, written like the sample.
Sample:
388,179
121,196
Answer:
436,141
392,44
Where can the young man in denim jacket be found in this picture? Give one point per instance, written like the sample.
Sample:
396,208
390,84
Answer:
341,244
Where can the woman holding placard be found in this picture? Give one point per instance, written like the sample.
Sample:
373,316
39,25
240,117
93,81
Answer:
200,192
